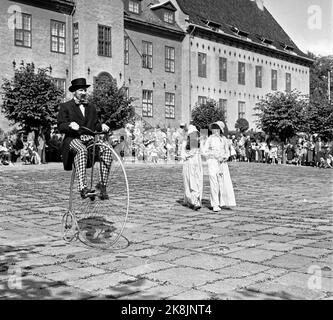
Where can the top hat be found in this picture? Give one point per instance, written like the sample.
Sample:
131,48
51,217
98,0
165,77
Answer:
79,83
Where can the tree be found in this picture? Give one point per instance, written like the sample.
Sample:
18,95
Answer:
318,117
31,98
319,75
242,125
205,114
281,115
114,108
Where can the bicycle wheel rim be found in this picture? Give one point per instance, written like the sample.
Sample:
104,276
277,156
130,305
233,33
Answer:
101,222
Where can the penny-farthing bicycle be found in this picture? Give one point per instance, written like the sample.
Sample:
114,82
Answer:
98,222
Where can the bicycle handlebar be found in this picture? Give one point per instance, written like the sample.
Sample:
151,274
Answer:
93,133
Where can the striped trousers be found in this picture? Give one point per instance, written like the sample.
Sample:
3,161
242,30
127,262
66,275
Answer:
79,148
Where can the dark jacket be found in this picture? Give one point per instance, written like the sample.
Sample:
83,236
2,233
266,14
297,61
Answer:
70,112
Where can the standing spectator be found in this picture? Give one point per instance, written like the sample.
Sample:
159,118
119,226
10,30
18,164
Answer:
192,169
318,151
41,147
290,152
217,153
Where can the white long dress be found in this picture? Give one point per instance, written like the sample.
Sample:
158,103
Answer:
216,151
192,175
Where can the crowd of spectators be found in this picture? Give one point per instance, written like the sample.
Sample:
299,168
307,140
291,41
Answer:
154,145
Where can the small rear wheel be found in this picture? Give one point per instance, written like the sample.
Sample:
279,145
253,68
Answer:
69,227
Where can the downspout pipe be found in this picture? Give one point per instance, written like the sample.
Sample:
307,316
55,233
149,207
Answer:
189,70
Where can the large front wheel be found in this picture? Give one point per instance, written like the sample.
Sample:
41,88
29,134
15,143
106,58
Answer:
101,222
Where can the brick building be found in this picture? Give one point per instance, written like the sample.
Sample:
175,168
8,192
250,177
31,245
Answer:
169,54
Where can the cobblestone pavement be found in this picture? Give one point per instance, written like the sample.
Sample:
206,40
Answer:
276,244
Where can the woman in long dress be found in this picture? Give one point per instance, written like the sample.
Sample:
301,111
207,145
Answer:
192,169
217,152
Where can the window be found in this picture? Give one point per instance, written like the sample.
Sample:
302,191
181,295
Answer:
258,77
202,62
274,79
58,36
223,106
241,73
134,6
169,59
60,84
241,109
75,38
147,103
126,50
169,105
202,100
288,82
168,17
22,33
222,69
104,41
147,55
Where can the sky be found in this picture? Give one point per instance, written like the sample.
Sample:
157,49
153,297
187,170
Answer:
309,23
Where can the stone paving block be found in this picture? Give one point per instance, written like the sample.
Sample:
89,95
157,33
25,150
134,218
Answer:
278,246
126,263
242,269
220,249
254,255
185,277
100,260
312,252
190,244
164,241
156,292
147,267
251,227
272,237
205,261
139,287
251,243
74,274
38,261
148,252
191,295
100,282
172,254
285,292
290,261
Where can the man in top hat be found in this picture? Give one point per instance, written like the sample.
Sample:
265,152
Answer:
72,115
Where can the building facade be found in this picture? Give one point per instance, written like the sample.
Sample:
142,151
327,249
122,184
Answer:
170,55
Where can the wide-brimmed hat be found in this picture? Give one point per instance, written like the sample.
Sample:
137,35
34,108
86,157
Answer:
191,129
218,125
79,83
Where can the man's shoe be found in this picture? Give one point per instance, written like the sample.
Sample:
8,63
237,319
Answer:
103,194
216,209
85,192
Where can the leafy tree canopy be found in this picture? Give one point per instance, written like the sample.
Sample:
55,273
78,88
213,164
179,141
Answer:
205,114
31,98
282,114
112,104
242,125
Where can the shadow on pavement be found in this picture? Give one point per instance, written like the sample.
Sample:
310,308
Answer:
18,282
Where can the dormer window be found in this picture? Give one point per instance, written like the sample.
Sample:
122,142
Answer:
240,33
165,11
134,6
169,17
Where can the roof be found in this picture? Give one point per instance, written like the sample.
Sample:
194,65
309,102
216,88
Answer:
149,16
242,17
61,6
